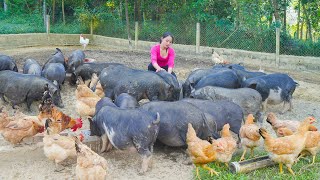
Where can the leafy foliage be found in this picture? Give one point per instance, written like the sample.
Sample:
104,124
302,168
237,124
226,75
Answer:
239,24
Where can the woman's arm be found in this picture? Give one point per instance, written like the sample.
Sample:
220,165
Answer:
172,56
154,58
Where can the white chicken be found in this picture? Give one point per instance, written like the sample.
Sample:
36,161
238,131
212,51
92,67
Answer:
84,41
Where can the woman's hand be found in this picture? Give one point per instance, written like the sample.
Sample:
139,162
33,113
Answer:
160,69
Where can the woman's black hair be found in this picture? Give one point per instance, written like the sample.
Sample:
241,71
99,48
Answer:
166,34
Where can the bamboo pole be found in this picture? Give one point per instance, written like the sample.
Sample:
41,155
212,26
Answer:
251,164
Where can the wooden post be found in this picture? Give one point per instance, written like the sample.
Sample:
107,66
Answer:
91,27
198,38
48,23
136,34
278,47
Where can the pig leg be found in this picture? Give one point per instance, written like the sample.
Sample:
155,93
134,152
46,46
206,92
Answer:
146,159
109,146
105,141
285,108
264,105
2,97
29,102
145,154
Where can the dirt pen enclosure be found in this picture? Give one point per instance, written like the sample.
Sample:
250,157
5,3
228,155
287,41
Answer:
29,162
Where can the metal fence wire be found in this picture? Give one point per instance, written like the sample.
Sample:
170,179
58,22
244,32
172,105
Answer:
221,35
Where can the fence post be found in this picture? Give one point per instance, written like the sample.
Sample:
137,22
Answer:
136,34
278,46
48,24
91,27
198,38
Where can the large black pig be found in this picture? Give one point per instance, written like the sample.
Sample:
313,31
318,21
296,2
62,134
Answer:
126,101
7,63
55,72
19,88
105,101
244,74
31,66
223,112
170,79
74,60
126,128
226,78
138,83
175,117
274,89
248,99
57,57
195,76
86,70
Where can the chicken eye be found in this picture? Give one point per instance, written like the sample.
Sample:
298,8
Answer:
59,120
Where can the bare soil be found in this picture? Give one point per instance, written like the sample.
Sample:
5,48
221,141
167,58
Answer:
29,161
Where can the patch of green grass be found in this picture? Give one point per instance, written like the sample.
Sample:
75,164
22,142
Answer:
303,170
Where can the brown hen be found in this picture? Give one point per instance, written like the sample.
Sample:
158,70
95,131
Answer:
201,151
285,150
89,164
249,136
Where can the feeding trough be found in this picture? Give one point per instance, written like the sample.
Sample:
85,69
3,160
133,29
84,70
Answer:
250,165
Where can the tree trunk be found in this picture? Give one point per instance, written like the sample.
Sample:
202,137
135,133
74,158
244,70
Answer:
5,6
285,16
275,5
308,29
143,11
53,10
137,16
120,10
128,24
44,12
298,24
301,30
63,16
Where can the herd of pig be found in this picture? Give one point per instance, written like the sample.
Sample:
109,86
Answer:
208,99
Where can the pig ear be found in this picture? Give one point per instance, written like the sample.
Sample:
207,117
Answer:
40,107
90,120
253,86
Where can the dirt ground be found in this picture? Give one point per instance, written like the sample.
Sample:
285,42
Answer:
29,162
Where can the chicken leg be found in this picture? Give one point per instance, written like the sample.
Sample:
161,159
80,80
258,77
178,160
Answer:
290,170
211,171
280,168
252,152
243,154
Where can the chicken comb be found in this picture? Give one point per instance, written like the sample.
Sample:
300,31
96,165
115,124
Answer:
77,125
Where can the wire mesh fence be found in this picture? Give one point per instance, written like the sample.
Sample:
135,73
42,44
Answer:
262,39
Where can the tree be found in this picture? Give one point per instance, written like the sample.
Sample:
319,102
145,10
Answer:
5,6
128,24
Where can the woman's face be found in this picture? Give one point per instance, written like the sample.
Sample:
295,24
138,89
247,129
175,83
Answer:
166,42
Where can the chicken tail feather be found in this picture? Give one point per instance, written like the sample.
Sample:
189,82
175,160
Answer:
263,133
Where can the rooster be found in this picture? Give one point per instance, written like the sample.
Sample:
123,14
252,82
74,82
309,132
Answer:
84,41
